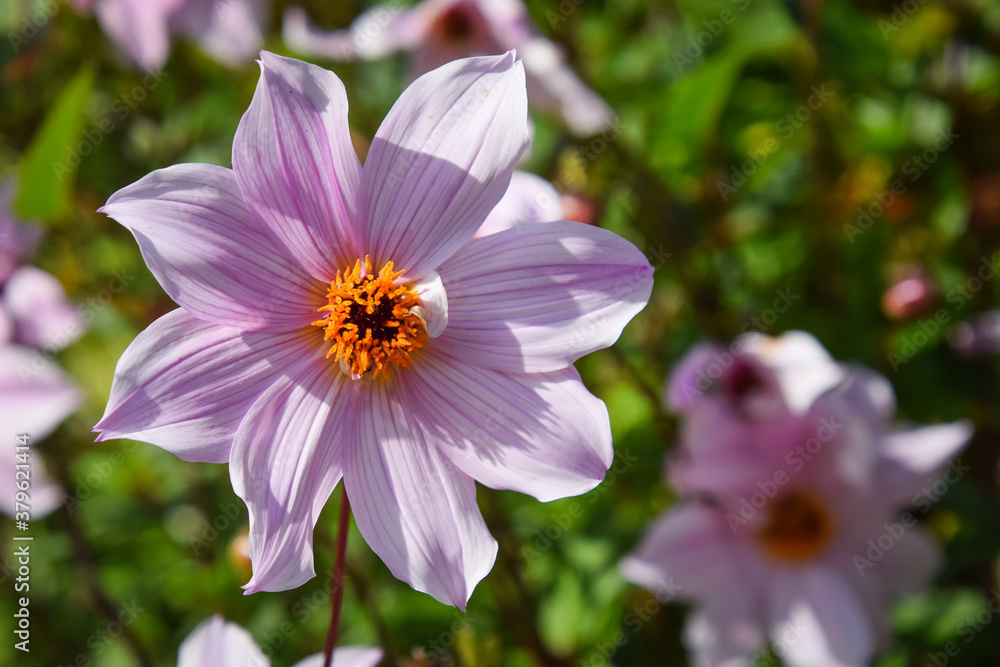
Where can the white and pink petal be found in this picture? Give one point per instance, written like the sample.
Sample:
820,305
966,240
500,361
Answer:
287,458
203,244
219,643
415,509
185,384
538,297
441,161
542,434
296,166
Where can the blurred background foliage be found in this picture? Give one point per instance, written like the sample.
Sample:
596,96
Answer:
747,160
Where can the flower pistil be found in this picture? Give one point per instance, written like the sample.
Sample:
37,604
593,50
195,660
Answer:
372,322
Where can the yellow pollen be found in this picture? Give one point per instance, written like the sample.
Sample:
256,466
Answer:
370,321
798,528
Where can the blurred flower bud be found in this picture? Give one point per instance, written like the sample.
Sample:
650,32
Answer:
578,208
238,554
908,297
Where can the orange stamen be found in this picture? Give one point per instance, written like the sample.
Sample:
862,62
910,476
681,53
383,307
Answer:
798,527
369,320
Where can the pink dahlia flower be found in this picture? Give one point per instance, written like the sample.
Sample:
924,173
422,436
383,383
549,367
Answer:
339,321
228,30
218,643
438,31
791,532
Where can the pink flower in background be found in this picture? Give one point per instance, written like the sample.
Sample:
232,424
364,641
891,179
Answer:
337,321
792,533
218,643
438,31
35,395
529,198
757,376
34,310
228,30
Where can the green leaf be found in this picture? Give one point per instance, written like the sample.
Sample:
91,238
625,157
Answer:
50,163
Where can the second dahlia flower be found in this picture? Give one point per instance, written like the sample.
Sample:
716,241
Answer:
339,321
791,534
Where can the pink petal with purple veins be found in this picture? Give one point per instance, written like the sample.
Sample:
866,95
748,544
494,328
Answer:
210,255
540,434
296,165
538,297
415,509
441,161
185,384
286,460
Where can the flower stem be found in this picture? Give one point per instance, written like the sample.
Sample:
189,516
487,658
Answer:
337,590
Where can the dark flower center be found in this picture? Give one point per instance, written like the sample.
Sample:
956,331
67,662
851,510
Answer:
455,25
370,320
798,527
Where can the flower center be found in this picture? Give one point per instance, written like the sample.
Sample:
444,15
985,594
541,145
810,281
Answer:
455,25
372,323
798,528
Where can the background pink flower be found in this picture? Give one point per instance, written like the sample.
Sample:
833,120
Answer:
228,30
438,31
791,533
35,395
